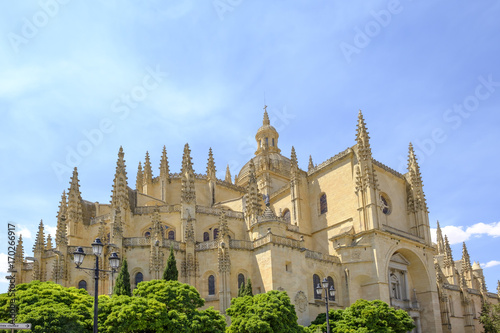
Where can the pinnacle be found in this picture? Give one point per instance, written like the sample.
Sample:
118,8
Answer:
228,175
266,117
311,164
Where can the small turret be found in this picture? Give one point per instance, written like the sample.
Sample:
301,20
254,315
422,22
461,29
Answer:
253,198
164,168
75,210
62,228
39,245
139,179
211,171
19,256
187,173
228,175
119,197
311,164
440,241
148,171
267,137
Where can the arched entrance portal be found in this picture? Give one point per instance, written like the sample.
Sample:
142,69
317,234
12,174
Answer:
412,289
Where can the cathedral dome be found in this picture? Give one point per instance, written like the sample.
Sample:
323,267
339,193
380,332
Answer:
271,161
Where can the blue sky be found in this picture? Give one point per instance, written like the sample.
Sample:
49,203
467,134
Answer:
77,80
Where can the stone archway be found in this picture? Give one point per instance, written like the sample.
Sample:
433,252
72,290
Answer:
412,288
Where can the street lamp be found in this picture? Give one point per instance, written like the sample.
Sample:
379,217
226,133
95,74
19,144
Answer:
331,292
114,262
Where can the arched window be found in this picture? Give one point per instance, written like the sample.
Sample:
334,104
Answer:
82,285
147,234
216,233
323,205
273,142
316,281
171,235
206,236
330,284
211,285
286,215
385,204
241,280
267,141
138,278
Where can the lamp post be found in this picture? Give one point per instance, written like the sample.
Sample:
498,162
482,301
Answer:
114,262
331,292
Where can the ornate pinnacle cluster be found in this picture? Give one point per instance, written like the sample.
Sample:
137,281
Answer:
156,229
164,169
139,179
311,164
466,265
418,201
75,210
448,258
463,281
148,172
294,163
189,233
39,245
440,241
62,227
228,175
439,273
19,256
223,229
48,246
362,139
253,198
117,223
211,166
119,197
188,192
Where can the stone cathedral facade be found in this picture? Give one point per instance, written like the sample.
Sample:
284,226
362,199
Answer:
350,219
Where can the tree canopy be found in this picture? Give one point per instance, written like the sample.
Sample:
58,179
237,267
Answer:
50,308
122,286
490,317
262,313
366,317
171,273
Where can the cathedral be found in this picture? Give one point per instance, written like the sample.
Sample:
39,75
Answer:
351,220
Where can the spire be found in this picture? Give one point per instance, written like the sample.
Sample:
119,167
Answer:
448,258
148,172
75,210
19,256
62,231
253,198
228,175
466,265
39,245
164,169
48,246
139,179
415,180
119,198
188,192
440,241
293,159
363,139
311,164
265,121
211,166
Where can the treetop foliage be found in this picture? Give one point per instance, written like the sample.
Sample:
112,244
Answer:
171,273
122,286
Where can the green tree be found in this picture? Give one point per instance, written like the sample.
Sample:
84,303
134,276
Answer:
181,302
490,317
171,273
241,290
248,289
50,308
366,316
263,313
122,286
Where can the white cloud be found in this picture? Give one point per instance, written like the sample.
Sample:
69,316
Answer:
23,230
459,234
49,230
491,263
